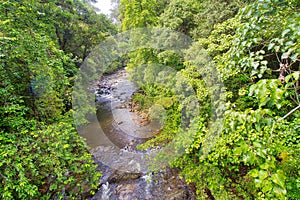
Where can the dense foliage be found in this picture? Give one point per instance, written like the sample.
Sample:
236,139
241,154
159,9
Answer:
256,53
42,44
243,142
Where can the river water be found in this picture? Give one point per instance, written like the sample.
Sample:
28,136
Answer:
113,138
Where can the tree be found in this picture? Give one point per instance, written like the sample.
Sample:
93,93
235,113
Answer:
41,154
196,18
138,14
256,52
78,28
257,149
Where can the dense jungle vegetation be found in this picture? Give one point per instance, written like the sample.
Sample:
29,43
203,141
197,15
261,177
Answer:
42,45
253,45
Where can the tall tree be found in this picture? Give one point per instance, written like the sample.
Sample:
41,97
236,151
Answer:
138,13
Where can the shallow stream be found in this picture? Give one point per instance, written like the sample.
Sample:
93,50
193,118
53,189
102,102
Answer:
113,138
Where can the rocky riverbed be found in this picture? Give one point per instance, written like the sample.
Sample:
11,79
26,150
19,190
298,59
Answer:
113,138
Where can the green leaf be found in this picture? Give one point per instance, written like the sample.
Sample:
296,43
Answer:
264,166
267,186
237,151
249,158
262,174
296,75
279,191
264,62
271,45
278,179
257,144
253,173
285,32
255,65
257,182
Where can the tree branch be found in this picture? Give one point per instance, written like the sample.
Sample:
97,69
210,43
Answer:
289,113
280,119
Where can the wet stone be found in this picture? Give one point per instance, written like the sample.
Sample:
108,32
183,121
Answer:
117,176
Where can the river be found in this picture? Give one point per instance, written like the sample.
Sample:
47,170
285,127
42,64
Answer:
113,138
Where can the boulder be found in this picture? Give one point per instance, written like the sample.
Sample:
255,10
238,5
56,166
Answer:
118,176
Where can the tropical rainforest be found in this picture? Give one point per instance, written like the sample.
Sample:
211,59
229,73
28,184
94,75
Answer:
254,46
42,45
